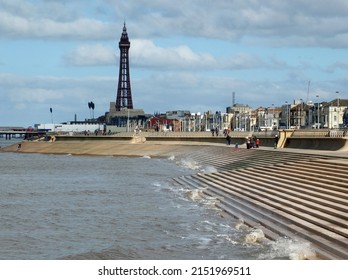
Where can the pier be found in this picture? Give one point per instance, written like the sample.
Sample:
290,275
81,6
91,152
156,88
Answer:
20,132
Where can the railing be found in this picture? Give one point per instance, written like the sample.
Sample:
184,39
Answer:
300,133
308,133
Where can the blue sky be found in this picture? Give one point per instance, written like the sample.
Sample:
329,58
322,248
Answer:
185,54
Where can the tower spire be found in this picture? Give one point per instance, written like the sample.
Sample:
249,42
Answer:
124,94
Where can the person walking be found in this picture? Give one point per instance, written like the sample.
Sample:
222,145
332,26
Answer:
228,139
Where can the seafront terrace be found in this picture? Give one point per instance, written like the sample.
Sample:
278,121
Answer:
315,139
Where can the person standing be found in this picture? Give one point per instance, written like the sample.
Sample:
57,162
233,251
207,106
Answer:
276,139
257,143
248,143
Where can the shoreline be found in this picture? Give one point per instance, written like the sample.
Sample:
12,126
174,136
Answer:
106,148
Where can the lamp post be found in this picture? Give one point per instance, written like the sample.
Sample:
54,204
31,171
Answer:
301,113
318,113
127,119
273,116
287,115
51,115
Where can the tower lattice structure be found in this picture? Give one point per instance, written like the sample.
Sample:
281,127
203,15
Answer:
124,93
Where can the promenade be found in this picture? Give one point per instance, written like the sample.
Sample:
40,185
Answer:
296,193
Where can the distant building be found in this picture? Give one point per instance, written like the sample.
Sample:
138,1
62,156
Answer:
241,117
331,114
121,112
72,127
125,117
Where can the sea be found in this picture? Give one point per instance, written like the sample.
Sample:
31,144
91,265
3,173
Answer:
57,207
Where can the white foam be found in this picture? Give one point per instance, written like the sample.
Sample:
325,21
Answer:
146,156
255,236
292,249
194,195
172,157
210,202
209,169
240,225
229,239
191,164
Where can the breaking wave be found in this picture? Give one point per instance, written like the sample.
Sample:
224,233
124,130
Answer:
172,157
190,164
209,169
291,249
255,236
194,195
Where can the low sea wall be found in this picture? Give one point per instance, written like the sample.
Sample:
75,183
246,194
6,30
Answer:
287,139
322,143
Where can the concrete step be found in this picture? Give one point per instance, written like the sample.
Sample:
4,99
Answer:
270,189
317,178
322,237
282,230
283,203
319,171
321,166
239,207
287,194
228,159
298,188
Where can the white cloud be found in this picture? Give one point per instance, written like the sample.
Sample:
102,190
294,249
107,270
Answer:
91,55
36,95
146,54
279,23
270,22
13,26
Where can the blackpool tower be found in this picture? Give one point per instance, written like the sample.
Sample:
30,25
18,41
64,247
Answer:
124,93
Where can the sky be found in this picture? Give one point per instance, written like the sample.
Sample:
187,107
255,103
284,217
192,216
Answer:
184,55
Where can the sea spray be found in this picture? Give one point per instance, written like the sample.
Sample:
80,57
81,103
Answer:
148,157
172,157
209,169
292,249
255,236
240,225
195,195
190,164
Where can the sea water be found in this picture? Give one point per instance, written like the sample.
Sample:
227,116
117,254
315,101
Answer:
93,207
